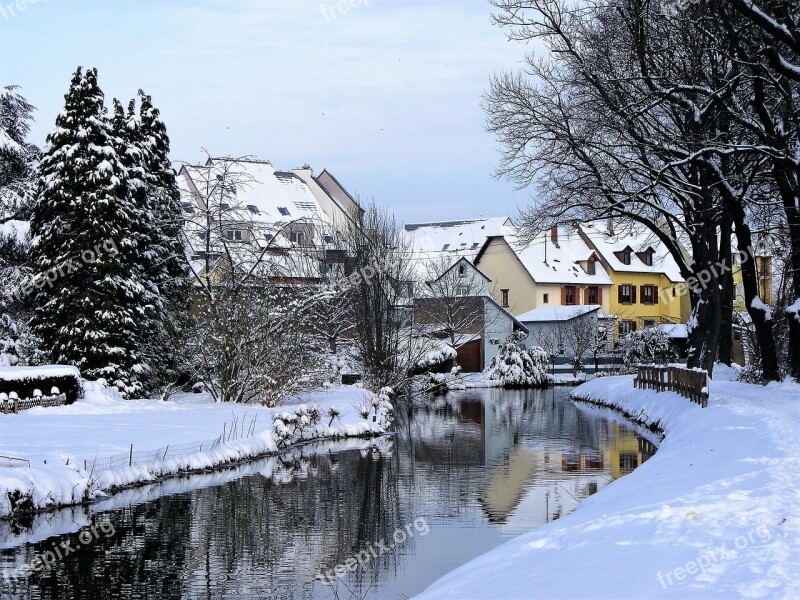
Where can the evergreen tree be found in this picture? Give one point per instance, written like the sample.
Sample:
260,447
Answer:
90,301
16,155
165,261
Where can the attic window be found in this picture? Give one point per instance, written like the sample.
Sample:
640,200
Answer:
284,211
475,246
462,270
187,206
328,239
446,247
225,206
647,258
626,257
591,267
253,209
268,237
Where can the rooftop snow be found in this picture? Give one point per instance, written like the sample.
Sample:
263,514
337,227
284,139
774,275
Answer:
556,313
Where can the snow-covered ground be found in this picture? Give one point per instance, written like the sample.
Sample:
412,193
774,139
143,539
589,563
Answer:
66,446
715,513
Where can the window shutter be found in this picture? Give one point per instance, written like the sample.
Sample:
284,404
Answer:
633,294
633,323
599,295
563,296
619,294
643,292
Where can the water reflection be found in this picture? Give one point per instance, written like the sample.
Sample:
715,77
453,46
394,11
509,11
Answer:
478,466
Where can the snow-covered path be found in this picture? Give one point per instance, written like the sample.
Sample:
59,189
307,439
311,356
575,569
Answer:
716,512
58,442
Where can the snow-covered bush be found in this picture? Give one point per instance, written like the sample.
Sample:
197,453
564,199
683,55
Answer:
648,346
515,366
292,428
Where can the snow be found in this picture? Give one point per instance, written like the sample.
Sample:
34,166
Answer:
459,238
22,373
794,309
62,444
18,230
758,304
556,313
715,512
639,239
675,331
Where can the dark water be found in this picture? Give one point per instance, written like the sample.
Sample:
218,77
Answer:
462,475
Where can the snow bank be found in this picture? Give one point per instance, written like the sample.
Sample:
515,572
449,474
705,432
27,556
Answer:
65,444
715,512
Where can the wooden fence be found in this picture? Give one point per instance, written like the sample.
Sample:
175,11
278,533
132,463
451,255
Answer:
689,383
12,404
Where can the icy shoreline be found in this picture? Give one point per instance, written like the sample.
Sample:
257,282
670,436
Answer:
715,511
59,442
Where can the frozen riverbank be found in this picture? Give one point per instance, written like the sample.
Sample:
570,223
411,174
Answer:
715,511
68,447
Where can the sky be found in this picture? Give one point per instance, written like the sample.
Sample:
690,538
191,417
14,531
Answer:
385,94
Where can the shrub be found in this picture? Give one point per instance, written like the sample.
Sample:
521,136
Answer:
24,380
517,367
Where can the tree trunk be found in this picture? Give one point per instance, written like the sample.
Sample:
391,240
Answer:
727,294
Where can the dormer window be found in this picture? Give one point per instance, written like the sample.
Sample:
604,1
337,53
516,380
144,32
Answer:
591,267
626,257
648,259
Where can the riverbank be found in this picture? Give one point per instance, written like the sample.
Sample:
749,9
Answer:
102,444
715,511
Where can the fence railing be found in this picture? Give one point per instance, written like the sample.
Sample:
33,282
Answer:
11,404
689,383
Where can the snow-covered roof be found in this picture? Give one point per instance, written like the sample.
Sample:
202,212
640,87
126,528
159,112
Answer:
458,238
563,262
557,313
638,239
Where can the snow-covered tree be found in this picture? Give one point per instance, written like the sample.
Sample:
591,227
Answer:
647,346
17,157
518,367
91,303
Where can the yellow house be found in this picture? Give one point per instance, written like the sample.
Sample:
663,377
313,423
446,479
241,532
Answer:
556,268
647,285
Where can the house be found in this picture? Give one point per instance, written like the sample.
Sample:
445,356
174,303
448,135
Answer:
551,321
556,268
246,210
453,239
458,309
647,286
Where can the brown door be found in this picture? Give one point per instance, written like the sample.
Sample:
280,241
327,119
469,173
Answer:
469,357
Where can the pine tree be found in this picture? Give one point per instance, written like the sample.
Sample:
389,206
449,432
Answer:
17,157
90,301
165,266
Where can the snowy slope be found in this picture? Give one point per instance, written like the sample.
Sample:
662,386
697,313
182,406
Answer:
716,512
58,442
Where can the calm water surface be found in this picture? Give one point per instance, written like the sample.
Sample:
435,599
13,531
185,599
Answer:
463,474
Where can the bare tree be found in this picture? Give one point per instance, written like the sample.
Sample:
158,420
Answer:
253,291
451,301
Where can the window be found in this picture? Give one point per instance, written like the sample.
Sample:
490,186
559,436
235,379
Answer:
592,295
462,270
328,239
268,237
463,290
446,247
627,294
545,298
591,267
648,259
626,257
649,294
297,237
649,323
284,211
234,235
674,293
504,296
626,327
570,295
253,209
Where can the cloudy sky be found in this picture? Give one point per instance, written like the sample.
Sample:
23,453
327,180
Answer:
385,94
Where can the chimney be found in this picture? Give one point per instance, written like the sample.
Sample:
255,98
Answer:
610,225
554,235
